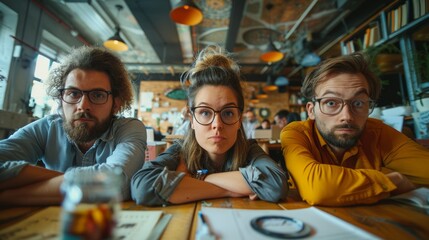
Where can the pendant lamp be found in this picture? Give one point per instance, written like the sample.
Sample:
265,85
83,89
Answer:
187,13
272,54
310,59
270,86
116,43
281,82
261,94
254,99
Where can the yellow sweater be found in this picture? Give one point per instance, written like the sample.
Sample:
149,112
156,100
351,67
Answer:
358,178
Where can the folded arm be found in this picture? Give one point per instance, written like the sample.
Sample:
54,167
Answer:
190,189
165,180
32,186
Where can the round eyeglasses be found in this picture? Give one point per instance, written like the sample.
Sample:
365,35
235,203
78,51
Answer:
206,115
334,105
73,95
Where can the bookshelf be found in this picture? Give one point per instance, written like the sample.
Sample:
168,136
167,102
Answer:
371,35
404,24
391,22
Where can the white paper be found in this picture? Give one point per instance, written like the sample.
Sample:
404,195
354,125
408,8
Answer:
137,224
418,197
46,225
235,223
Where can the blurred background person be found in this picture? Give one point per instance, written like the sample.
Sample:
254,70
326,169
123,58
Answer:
284,117
184,126
250,123
265,124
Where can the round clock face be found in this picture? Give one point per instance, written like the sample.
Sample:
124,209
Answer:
264,112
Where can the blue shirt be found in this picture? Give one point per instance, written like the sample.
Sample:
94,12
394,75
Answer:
121,146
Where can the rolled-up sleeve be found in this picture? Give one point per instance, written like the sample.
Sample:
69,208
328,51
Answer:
264,176
156,181
11,169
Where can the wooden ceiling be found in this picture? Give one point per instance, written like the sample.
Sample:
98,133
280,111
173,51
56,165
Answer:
161,49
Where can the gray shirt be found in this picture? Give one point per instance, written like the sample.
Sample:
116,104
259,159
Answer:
156,181
122,146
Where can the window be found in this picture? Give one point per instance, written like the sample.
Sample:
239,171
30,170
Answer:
40,102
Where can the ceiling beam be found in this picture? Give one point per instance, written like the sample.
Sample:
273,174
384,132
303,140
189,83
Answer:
236,15
161,31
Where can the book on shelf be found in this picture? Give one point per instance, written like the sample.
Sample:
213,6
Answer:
46,224
399,16
349,47
423,7
420,7
416,9
404,10
374,33
366,38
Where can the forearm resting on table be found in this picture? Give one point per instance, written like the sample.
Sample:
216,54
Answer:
29,175
231,181
191,189
46,192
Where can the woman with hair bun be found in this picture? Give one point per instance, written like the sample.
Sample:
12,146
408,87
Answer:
214,159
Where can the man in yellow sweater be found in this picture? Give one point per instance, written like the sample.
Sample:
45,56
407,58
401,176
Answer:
339,156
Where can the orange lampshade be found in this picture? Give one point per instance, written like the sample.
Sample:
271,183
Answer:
254,100
272,54
187,13
261,94
270,86
116,43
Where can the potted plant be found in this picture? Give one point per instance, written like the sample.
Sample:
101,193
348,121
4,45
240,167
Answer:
421,60
385,58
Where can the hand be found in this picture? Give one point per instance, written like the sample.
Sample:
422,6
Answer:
402,183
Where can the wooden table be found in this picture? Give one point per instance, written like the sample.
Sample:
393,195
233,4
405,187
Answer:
265,144
178,227
386,219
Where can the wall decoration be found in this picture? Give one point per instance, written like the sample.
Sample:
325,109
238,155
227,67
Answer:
176,93
146,101
264,112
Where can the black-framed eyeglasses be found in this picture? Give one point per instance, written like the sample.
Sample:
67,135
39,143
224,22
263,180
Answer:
334,105
206,115
74,95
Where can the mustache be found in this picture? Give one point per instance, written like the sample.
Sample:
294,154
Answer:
351,126
82,115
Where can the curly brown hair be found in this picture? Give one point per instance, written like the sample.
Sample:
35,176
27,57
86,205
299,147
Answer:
98,59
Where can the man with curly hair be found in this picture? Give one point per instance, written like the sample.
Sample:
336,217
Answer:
87,134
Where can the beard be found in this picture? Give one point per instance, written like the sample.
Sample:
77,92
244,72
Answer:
82,133
344,141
